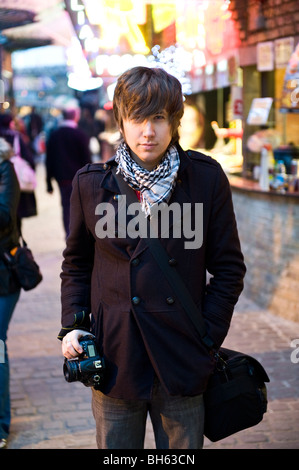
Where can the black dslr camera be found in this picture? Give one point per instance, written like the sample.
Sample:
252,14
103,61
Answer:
88,368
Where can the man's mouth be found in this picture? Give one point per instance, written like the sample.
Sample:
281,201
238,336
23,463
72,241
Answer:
148,144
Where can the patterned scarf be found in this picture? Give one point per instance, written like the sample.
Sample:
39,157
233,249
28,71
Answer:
155,186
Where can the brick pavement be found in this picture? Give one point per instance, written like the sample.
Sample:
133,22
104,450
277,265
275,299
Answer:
49,413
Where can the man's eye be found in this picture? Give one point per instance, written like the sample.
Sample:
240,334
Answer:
160,116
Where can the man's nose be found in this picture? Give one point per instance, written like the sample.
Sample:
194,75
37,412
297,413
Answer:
148,128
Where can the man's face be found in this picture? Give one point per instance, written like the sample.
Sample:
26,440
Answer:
148,140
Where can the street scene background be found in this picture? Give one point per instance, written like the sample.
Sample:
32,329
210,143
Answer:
49,413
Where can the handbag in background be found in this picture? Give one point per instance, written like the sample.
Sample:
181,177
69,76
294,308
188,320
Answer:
25,174
23,266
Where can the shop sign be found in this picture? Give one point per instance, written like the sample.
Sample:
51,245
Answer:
41,83
265,56
237,102
283,50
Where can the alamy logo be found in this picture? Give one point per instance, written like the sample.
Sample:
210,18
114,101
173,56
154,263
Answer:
174,220
295,353
2,352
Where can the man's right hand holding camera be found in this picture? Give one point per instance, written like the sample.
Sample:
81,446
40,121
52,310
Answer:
71,347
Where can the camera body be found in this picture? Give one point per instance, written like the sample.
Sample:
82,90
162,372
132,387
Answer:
88,368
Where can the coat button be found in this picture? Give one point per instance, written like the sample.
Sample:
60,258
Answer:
136,300
135,262
105,166
172,262
116,197
170,300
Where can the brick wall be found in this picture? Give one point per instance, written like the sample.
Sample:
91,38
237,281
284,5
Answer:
281,19
269,231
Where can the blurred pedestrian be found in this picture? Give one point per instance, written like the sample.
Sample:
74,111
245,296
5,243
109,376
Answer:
67,150
91,127
34,126
109,137
155,360
87,122
27,205
9,290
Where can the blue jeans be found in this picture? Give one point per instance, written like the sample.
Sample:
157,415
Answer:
7,306
177,421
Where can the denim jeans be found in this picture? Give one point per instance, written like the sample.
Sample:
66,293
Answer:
7,306
177,421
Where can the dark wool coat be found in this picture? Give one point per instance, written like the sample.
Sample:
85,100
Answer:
139,324
9,234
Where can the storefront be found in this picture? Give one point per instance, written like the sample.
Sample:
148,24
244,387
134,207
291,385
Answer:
268,210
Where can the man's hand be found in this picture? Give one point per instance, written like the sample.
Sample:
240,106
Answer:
70,345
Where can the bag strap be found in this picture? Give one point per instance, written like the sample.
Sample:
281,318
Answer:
170,272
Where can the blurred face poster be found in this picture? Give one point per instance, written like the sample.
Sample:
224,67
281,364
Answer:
290,92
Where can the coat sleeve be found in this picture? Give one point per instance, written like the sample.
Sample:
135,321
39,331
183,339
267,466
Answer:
225,262
77,267
9,196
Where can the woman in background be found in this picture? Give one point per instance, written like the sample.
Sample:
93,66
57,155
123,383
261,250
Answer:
9,290
27,203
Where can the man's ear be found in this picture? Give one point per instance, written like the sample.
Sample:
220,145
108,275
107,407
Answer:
121,132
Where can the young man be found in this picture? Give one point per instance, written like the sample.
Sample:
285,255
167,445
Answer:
155,360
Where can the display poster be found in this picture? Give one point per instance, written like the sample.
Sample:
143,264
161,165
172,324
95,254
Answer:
259,111
265,56
283,49
290,91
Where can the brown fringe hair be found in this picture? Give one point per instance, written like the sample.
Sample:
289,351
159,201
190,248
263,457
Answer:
142,92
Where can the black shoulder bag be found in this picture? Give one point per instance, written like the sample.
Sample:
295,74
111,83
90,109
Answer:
23,266
236,395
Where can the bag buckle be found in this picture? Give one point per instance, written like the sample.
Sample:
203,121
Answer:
221,364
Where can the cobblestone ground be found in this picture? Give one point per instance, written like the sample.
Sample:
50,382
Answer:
49,413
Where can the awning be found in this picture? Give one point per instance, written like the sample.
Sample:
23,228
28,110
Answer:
43,22
10,18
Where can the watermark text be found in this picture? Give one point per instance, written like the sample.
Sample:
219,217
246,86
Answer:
295,352
174,220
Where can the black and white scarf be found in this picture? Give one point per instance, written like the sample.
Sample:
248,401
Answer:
156,185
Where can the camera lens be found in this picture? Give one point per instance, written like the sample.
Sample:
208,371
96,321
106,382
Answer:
71,371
